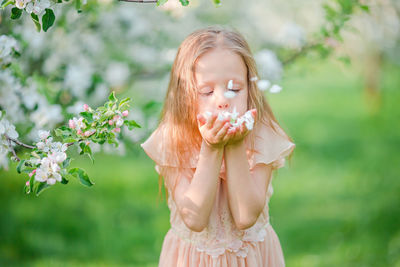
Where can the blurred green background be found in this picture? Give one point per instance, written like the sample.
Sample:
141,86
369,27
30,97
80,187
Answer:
336,204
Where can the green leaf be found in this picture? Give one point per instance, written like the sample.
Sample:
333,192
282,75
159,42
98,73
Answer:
82,146
70,140
88,116
64,180
41,186
81,174
184,2
112,97
78,6
217,3
131,124
16,13
161,2
88,151
21,164
66,162
123,102
35,20
63,131
31,183
6,3
48,19
365,8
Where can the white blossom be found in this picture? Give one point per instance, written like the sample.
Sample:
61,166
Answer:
7,46
43,134
263,84
48,171
117,73
269,65
275,88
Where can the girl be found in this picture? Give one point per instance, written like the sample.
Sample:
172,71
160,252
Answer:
218,177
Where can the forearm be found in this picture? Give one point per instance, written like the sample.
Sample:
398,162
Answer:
245,198
200,196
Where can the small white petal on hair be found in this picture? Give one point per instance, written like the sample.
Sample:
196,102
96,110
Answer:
253,79
230,84
229,94
275,88
263,84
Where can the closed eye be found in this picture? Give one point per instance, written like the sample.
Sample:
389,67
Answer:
208,93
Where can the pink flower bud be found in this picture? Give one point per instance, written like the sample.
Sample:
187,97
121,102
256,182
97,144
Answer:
117,130
125,113
27,183
79,132
116,117
111,122
32,173
87,133
71,124
85,107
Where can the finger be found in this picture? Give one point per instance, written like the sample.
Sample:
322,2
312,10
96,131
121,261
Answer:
201,119
211,120
222,132
254,113
218,125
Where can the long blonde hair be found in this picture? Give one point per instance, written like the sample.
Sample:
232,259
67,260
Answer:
179,111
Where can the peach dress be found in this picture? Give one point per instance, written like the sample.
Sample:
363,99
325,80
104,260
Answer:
221,243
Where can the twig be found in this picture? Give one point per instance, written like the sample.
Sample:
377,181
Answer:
18,142
11,148
299,53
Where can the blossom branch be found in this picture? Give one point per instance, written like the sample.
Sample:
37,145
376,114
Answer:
11,148
18,142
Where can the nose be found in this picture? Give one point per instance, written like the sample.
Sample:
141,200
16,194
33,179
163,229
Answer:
221,101
223,106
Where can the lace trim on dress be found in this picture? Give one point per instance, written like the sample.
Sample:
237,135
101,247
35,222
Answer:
237,246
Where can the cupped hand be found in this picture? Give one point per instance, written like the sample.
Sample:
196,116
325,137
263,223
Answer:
213,130
237,134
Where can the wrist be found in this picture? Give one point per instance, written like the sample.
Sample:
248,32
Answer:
234,145
211,148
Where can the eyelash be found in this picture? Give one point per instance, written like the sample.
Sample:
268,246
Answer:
209,93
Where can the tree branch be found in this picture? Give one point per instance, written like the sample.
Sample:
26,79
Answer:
302,51
11,148
18,142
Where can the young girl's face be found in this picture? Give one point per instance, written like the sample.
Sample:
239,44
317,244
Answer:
213,71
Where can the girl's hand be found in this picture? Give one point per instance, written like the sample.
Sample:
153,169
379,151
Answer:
238,134
214,131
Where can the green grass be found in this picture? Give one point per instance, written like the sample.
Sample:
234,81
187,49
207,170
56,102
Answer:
337,204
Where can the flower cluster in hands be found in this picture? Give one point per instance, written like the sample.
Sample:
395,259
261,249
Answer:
225,128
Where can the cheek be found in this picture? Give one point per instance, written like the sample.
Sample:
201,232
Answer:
202,105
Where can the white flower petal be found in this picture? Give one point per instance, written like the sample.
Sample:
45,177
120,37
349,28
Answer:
229,94
275,89
263,84
230,84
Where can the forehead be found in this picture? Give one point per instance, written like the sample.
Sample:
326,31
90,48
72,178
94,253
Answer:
220,65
